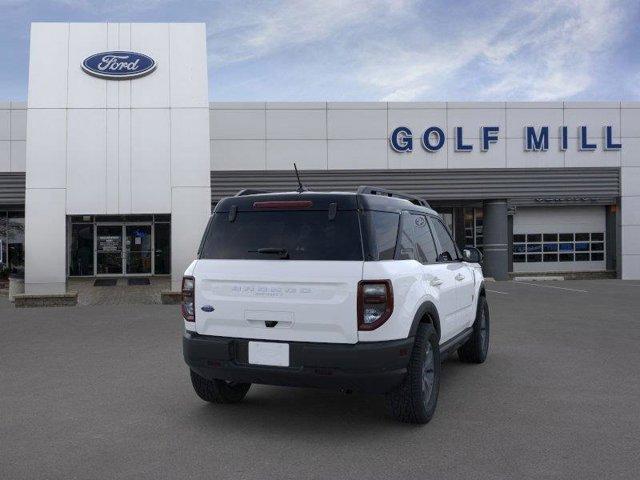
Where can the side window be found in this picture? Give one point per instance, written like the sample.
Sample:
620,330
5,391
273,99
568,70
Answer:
425,245
448,251
384,227
406,249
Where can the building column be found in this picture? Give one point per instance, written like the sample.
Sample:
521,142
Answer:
610,237
629,266
190,211
45,241
496,239
510,240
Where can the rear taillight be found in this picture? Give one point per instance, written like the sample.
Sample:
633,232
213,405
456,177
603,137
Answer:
188,305
375,303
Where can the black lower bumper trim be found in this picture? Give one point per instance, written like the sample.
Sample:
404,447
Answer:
374,367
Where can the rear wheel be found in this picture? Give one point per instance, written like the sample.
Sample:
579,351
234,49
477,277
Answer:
477,347
218,391
414,401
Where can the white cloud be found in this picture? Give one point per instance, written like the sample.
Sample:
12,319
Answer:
562,55
261,29
402,49
546,51
396,50
106,7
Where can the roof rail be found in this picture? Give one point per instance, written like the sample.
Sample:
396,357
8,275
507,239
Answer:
366,189
249,191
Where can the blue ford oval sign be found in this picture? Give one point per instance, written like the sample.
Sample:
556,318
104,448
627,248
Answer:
118,65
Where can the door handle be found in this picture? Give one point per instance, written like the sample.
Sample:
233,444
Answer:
435,282
459,277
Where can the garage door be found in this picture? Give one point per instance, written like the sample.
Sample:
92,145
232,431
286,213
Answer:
559,239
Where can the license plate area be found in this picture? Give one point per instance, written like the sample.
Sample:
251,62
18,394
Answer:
273,354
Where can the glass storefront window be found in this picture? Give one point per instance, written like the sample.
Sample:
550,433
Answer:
163,248
15,242
109,249
117,245
468,227
138,248
473,227
81,252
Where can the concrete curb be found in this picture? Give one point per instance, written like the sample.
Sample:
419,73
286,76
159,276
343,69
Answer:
69,299
544,278
170,298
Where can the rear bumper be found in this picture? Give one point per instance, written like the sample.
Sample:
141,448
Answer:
374,367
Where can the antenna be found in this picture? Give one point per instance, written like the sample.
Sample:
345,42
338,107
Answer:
301,187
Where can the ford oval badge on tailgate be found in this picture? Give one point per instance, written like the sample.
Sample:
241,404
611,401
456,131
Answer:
207,308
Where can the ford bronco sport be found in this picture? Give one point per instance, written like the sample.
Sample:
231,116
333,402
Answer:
362,291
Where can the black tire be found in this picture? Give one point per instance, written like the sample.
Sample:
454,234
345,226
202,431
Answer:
477,347
415,399
218,391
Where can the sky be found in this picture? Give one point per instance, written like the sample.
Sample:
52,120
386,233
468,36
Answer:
377,50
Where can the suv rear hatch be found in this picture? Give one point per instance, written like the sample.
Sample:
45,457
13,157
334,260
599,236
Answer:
281,268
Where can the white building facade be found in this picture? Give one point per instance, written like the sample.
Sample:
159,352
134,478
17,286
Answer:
100,147
121,174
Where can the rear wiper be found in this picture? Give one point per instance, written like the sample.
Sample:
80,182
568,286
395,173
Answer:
282,252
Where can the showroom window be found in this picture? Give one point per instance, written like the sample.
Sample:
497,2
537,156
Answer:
473,227
447,217
558,247
11,242
116,245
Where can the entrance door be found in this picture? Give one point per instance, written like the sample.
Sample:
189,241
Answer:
108,249
138,248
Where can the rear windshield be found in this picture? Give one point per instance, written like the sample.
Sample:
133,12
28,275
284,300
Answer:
276,235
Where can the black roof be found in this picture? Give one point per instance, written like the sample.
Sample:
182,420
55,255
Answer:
321,200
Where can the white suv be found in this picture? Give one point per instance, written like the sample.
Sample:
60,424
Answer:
362,291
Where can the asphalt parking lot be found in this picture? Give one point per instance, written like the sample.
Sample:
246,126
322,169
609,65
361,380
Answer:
102,392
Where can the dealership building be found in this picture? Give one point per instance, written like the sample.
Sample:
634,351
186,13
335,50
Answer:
113,164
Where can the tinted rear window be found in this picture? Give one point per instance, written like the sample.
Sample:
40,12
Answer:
304,235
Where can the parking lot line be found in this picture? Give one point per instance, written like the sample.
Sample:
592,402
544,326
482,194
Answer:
552,286
496,291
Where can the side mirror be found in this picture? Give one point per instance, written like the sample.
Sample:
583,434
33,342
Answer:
472,255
